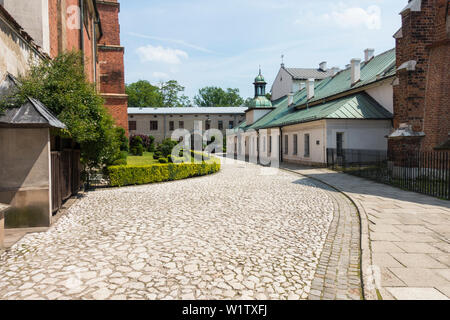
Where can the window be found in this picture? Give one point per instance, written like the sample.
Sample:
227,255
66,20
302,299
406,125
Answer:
339,143
153,125
231,125
132,125
286,144
307,145
270,144
171,125
208,125
181,124
295,144
220,125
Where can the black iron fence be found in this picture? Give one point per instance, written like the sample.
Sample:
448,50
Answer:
423,172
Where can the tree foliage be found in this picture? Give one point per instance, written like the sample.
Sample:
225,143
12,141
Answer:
142,94
61,85
173,96
217,97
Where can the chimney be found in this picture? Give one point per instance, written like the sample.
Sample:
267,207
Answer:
334,71
355,70
323,66
310,88
290,98
368,54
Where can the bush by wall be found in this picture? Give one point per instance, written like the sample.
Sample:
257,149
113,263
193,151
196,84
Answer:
135,175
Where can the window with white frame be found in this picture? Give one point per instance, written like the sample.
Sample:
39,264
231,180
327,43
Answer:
307,146
295,144
286,144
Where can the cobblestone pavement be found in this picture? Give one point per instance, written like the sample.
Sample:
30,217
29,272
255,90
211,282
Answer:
338,273
238,234
406,238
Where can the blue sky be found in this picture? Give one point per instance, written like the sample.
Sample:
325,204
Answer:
222,43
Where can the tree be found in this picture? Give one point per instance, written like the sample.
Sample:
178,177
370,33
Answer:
172,95
217,97
142,94
61,85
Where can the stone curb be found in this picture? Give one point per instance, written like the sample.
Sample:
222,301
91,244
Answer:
367,280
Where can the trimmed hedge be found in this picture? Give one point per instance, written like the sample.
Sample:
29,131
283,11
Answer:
134,175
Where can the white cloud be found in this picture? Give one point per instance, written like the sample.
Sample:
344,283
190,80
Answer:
150,53
346,17
160,75
356,17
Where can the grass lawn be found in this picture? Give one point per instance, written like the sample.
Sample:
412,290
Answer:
147,158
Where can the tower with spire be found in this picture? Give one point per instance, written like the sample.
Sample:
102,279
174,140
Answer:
260,100
260,105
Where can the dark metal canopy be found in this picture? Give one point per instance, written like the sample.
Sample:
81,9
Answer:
31,113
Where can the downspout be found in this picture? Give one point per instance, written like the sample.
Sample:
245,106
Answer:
257,146
94,51
81,29
281,144
164,126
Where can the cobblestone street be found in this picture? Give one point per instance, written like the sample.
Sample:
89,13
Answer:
238,234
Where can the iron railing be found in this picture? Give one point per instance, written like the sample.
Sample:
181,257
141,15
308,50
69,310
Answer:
422,172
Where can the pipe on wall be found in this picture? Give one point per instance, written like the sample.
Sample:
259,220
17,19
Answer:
81,28
281,145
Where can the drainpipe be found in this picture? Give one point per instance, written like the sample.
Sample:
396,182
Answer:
81,28
164,126
94,51
281,144
257,146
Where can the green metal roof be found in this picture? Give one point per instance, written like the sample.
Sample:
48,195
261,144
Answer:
260,102
377,68
259,78
355,106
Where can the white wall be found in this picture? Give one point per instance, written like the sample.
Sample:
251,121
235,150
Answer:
33,16
254,115
359,134
384,95
317,142
143,123
15,51
282,84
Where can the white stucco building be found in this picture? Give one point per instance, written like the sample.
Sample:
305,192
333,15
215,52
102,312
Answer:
162,122
351,110
290,80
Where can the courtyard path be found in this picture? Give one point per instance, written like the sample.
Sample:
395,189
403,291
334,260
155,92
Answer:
239,234
405,237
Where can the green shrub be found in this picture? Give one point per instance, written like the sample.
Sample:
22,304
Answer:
136,175
157,155
163,160
120,162
122,138
151,146
165,148
136,146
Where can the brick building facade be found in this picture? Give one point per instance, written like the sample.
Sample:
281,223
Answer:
421,94
111,54
91,26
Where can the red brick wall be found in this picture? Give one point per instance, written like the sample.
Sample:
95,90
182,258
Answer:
421,98
54,15
112,79
110,67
